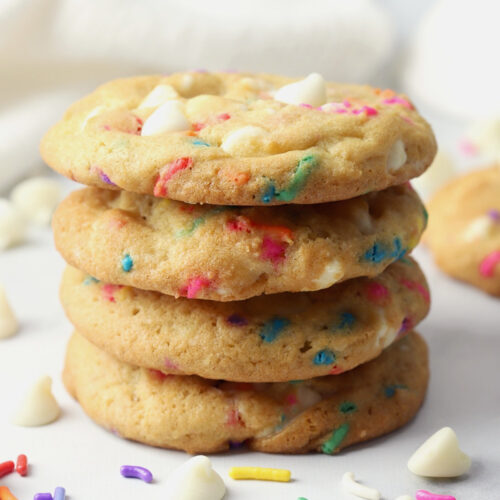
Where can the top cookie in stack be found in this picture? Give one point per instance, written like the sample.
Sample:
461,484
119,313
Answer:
240,139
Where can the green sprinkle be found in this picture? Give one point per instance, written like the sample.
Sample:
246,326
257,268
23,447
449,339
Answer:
336,439
192,228
303,170
89,280
348,407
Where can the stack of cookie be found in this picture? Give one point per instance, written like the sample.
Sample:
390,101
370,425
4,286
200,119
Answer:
239,269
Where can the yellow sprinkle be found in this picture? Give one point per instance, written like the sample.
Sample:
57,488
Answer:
260,473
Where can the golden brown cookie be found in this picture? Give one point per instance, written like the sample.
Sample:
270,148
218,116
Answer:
233,253
189,413
464,229
240,139
264,339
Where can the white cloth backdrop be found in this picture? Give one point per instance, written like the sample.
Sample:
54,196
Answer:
53,51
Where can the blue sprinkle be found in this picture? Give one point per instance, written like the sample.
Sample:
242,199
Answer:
324,357
390,390
127,263
199,142
273,328
269,193
399,252
89,280
346,321
376,254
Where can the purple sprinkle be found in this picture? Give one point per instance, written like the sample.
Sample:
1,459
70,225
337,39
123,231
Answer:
105,178
43,496
237,320
136,472
59,493
494,214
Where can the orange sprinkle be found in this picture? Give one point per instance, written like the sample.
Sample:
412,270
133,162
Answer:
387,93
5,494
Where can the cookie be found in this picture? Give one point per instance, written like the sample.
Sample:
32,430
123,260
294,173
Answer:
264,339
464,229
198,415
240,139
233,253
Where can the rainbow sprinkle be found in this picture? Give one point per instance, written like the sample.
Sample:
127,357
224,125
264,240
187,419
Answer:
335,440
127,263
167,172
324,357
302,172
273,328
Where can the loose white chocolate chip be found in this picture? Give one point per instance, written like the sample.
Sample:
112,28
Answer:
397,156
37,198
332,273
39,406
245,141
12,225
311,90
479,228
158,96
359,490
8,321
440,456
169,117
195,480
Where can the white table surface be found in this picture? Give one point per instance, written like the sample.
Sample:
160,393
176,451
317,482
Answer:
463,331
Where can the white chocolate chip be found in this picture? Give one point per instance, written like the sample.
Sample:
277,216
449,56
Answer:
440,456
245,141
359,490
396,157
187,81
169,117
8,321
158,96
311,90
307,397
385,334
12,225
37,198
97,110
332,273
195,480
363,220
39,406
438,174
480,227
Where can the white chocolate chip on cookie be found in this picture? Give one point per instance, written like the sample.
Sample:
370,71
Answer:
158,96
245,141
169,117
310,90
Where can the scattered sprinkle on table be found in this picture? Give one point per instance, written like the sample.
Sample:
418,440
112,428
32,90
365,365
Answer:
260,473
6,468
427,495
5,494
136,472
43,496
22,465
359,490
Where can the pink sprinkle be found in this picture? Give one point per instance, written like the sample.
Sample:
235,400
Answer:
169,364
157,374
239,224
347,104
108,292
398,100
224,116
488,264
418,287
167,172
335,370
467,148
194,285
426,495
233,417
369,111
273,250
376,292
106,127
305,105
291,400
408,120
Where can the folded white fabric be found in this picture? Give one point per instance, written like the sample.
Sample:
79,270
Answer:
54,51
